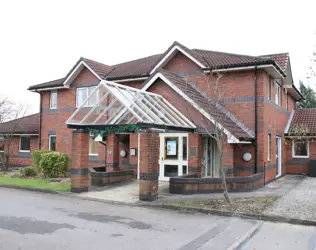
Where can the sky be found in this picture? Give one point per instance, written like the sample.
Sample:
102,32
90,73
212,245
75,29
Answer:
42,40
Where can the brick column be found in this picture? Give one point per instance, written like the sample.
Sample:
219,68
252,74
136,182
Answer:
149,166
112,154
80,166
195,154
133,143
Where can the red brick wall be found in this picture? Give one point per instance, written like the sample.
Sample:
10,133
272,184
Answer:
181,63
21,158
299,165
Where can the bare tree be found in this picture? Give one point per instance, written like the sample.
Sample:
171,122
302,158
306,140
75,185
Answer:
9,114
215,94
312,66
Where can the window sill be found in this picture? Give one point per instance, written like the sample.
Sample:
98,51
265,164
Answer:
52,108
24,151
93,154
300,157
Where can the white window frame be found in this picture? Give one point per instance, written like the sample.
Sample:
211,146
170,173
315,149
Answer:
49,140
300,156
20,150
269,147
88,94
277,94
90,154
50,99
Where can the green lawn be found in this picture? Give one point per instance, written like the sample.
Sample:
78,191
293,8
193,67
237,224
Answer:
35,183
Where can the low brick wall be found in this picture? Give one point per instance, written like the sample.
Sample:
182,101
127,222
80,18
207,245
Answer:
191,184
105,178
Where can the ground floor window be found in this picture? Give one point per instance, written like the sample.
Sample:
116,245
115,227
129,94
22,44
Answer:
93,146
52,142
25,144
300,148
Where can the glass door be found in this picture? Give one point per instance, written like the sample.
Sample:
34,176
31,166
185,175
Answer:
173,159
210,161
278,157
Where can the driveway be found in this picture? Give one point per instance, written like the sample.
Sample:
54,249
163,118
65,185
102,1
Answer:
31,221
299,203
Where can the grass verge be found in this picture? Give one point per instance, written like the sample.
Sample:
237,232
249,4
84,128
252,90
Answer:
35,183
250,205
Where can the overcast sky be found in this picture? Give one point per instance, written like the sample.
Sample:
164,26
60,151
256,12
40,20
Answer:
41,41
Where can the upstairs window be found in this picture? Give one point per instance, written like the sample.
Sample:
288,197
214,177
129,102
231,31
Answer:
53,99
25,144
277,94
83,93
300,149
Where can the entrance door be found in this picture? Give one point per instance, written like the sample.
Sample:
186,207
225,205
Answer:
173,159
210,158
278,157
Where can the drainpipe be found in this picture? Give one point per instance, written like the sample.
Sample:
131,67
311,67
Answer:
40,120
256,121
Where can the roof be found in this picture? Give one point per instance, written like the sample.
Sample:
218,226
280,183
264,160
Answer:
25,125
222,116
136,68
143,66
281,59
102,70
303,120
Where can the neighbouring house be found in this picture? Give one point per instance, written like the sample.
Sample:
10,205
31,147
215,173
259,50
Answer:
169,93
23,136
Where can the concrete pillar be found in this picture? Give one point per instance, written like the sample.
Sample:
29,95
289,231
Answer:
80,167
133,143
195,154
149,166
112,154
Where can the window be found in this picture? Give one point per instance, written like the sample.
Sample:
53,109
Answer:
52,142
277,94
53,99
93,146
1,147
24,144
83,93
300,148
269,147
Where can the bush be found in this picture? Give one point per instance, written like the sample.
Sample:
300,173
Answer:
37,156
28,171
54,164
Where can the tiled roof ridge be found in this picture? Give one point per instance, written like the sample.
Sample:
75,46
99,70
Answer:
19,118
145,57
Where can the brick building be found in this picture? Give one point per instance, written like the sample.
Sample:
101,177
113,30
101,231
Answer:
256,111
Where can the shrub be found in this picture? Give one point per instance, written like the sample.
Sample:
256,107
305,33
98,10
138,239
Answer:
28,171
37,156
54,164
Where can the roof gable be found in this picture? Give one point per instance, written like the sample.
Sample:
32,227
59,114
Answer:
232,127
172,50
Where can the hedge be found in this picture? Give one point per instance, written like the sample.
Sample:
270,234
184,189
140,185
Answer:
54,164
37,156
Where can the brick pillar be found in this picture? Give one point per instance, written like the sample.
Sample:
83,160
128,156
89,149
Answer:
228,158
149,166
80,166
195,154
133,143
112,154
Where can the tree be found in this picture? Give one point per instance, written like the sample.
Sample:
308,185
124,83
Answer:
9,114
312,66
309,95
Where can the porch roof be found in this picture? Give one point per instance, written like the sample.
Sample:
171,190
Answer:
112,104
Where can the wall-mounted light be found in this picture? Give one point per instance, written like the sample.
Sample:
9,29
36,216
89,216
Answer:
246,156
123,153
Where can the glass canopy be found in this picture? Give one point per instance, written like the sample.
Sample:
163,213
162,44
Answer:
115,104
